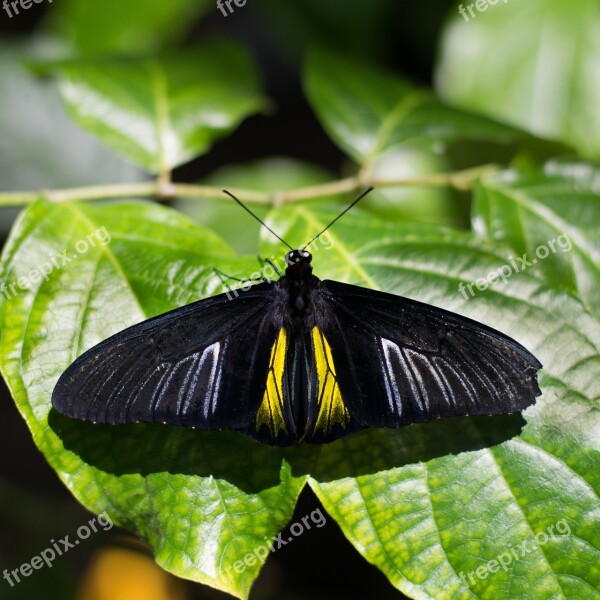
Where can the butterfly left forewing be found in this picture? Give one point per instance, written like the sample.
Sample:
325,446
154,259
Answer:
400,361
203,365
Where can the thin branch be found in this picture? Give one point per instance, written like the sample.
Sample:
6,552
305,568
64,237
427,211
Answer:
163,189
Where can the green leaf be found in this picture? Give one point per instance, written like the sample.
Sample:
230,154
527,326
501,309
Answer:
424,503
368,111
201,500
161,113
549,214
533,64
114,27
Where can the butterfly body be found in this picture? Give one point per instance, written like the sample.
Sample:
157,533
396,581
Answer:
299,359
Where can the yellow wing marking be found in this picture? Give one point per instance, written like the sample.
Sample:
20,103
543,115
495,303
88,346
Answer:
270,412
332,409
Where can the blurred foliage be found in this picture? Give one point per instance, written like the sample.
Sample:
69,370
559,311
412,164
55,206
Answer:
533,64
30,117
367,111
107,28
160,113
424,503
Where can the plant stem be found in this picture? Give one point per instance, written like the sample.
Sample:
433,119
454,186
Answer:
163,189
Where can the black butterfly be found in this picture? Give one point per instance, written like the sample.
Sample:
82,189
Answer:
299,359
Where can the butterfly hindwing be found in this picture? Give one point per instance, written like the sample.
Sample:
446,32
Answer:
203,365
400,361
274,420
328,415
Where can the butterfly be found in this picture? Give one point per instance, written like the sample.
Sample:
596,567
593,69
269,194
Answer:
299,359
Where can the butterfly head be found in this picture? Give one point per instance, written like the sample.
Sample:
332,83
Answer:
298,262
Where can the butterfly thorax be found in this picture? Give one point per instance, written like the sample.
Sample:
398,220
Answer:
298,283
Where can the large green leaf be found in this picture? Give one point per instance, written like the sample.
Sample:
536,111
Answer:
368,111
533,64
424,503
160,113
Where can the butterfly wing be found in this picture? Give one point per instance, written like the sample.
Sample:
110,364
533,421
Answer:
398,361
202,365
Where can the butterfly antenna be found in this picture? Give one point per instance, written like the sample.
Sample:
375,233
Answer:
257,218
339,216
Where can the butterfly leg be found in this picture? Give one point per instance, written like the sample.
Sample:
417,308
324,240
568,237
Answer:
223,277
268,261
273,266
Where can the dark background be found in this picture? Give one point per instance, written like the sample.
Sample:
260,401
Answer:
34,505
